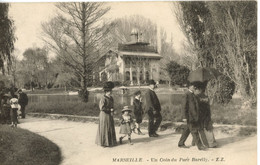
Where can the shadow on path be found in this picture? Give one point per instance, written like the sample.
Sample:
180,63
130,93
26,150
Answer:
149,139
228,140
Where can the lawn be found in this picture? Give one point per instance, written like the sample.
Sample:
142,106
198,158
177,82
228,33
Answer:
21,147
171,109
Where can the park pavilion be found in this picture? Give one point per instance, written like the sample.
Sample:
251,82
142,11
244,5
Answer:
133,63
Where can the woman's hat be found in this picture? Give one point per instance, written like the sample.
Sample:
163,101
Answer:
137,93
151,82
108,85
126,108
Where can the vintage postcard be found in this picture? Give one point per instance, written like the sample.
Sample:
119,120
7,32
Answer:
128,83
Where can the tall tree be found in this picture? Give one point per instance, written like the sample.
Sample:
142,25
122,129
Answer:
77,36
35,63
121,33
224,40
7,37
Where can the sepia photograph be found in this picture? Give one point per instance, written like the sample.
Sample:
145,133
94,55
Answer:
128,83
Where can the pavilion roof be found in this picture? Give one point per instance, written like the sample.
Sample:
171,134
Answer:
140,54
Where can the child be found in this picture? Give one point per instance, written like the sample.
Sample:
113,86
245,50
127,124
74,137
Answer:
138,111
126,121
14,108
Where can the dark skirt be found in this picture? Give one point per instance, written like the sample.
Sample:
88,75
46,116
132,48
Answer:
14,115
138,117
106,135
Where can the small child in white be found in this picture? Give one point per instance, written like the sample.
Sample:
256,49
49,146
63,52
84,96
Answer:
14,108
126,123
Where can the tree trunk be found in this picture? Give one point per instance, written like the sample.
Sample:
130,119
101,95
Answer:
84,45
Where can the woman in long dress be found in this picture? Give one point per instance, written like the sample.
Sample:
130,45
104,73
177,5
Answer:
207,134
106,135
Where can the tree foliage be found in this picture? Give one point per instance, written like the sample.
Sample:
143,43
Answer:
121,33
221,89
7,37
36,68
178,74
77,36
223,36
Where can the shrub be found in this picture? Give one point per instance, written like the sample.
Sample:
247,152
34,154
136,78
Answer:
178,74
221,90
83,94
117,83
247,131
126,83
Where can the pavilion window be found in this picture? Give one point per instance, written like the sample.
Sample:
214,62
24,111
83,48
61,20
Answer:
134,77
141,76
127,76
147,75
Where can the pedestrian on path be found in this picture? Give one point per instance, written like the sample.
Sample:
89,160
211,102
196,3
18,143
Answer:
190,115
106,135
14,108
23,101
153,107
206,131
138,112
126,124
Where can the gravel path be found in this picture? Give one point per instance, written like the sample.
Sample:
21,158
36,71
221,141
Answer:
77,143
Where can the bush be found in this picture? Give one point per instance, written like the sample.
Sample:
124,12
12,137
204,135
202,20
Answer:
117,83
221,90
126,83
178,74
247,131
83,94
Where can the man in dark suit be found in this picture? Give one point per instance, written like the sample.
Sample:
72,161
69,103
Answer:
190,114
153,107
23,101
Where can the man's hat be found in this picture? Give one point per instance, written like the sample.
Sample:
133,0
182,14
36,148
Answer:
126,108
150,82
19,90
7,95
137,93
108,85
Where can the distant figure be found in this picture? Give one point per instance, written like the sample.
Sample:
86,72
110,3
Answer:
153,107
5,109
106,135
14,108
190,115
23,101
126,123
138,112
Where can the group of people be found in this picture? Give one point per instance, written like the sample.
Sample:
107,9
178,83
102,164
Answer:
12,105
196,114
106,135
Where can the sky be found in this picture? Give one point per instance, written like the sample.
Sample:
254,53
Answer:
29,16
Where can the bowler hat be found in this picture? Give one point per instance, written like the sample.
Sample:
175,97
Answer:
151,82
19,90
126,108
